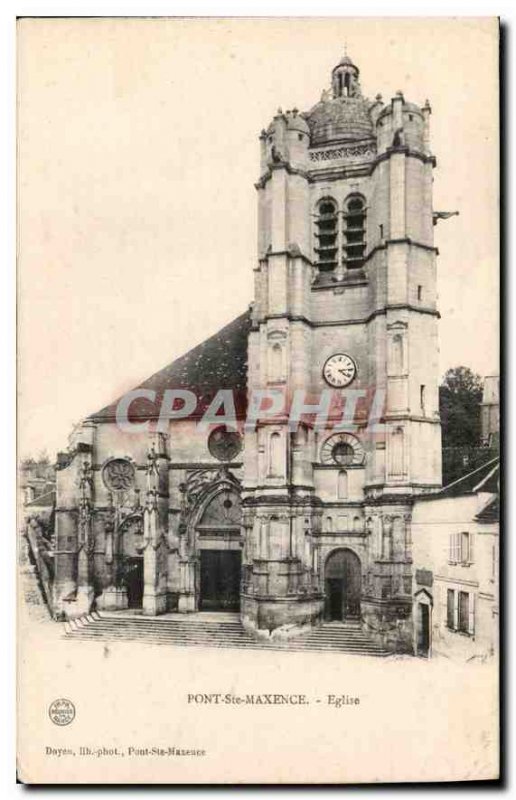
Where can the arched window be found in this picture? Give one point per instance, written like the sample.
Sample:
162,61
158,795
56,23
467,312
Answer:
342,485
329,524
223,511
275,456
422,398
326,232
354,244
357,524
276,363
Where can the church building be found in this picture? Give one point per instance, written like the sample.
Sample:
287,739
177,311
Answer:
289,525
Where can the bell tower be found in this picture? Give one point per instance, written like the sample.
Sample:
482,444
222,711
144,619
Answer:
344,345
344,79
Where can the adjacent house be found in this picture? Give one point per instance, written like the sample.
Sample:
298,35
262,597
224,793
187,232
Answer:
456,566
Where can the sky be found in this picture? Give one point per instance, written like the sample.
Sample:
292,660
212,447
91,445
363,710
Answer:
137,156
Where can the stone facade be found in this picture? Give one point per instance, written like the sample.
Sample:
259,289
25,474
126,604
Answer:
315,521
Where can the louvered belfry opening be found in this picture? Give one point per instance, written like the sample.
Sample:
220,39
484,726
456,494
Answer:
354,233
326,233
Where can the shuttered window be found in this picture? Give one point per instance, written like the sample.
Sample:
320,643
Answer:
463,621
326,235
460,611
471,621
354,243
460,548
454,548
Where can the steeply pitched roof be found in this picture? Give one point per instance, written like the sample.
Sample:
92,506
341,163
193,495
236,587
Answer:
483,479
490,512
220,362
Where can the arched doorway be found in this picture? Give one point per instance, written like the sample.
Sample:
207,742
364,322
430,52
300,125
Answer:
423,624
343,585
218,538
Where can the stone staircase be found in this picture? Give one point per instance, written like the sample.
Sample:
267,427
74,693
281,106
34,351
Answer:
216,630
29,586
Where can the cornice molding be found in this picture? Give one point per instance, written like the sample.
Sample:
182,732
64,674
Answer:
356,321
290,252
265,178
403,240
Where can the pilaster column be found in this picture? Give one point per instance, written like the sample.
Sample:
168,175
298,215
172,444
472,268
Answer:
154,534
408,535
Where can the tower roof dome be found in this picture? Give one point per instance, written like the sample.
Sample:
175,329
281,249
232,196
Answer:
346,61
340,119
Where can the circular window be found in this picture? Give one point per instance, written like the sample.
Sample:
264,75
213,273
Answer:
118,474
343,449
223,444
343,453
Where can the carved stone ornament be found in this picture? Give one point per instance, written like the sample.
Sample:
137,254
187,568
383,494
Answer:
119,475
367,150
86,481
200,480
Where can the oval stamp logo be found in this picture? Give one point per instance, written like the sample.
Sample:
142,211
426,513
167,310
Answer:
62,711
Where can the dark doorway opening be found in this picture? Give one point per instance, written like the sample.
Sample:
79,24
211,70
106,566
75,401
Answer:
220,580
133,581
343,583
423,629
335,598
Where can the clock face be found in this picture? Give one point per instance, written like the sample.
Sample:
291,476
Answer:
339,370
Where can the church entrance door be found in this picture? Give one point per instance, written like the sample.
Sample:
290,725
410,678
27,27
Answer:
133,580
220,580
343,583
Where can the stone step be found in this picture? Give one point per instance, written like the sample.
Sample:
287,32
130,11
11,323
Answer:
195,632
198,619
215,634
293,646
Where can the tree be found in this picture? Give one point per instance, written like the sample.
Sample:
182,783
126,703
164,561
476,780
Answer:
43,458
460,396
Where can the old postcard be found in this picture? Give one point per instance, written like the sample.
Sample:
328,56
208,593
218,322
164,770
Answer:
258,423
